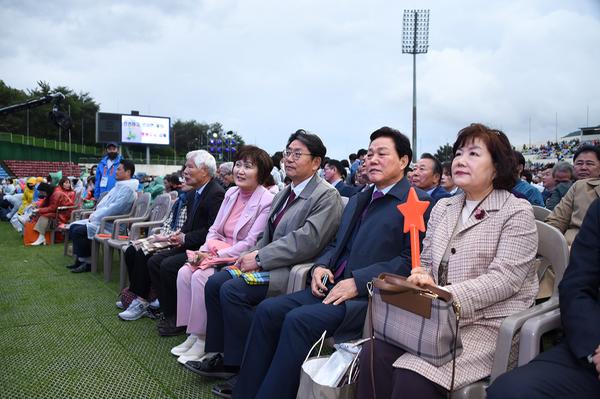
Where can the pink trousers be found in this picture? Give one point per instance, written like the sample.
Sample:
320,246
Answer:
191,308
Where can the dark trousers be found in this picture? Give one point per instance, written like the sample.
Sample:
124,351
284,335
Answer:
229,309
82,245
137,267
391,382
282,333
163,268
553,374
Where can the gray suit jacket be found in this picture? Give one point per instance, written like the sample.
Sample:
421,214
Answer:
305,229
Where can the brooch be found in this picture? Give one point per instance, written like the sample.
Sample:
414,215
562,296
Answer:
479,214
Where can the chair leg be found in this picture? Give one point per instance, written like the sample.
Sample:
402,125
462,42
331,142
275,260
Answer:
122,269
66,243
95,250
108,253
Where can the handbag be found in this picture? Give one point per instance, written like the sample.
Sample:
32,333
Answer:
422,321
328,377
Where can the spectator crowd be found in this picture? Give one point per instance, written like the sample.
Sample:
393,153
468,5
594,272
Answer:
217,271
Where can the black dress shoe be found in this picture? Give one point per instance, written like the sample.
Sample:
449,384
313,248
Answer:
212,367
167,327
84,267
74,265
225,390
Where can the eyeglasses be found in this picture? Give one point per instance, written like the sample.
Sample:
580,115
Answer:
295,154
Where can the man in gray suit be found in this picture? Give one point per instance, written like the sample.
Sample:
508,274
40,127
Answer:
304,218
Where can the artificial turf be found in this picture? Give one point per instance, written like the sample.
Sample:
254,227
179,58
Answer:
60,336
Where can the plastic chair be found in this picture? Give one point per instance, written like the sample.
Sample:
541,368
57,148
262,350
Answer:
158,212
540,213
552,246
138,210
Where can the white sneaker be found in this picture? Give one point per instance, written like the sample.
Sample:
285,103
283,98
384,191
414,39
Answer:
154,304
41,240
136,310
195,353
185,346
119,304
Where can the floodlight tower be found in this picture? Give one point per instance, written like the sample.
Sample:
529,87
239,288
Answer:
415,40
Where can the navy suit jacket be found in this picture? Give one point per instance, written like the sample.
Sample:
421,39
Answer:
439,193
346,190
380,245
579,288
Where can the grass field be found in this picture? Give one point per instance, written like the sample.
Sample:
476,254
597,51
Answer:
60,336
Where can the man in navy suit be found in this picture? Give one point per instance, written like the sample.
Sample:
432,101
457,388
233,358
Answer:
570,369
428,175
334,173
370,241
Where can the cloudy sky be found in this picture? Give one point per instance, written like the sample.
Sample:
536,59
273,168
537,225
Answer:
265,68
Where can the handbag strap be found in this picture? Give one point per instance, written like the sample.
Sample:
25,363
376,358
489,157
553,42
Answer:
456,307
372,336
320,340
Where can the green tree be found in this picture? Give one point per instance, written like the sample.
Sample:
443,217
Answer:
444,153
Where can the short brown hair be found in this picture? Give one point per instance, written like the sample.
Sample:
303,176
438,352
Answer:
260,158
498,146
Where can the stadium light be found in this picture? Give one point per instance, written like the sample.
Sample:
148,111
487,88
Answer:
415,40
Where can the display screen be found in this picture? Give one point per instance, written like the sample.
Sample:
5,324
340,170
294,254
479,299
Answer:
145,129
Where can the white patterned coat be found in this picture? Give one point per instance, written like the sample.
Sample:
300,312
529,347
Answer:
491,274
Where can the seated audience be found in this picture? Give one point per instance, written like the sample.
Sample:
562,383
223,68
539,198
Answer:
172,183
277,171
522,187
370,240
570,369
586,162
548,182
55,197
427,176
480,245
225,175
334,173
118,201
447,182
568,215
562,177
238,225
204,203
138,253
303,219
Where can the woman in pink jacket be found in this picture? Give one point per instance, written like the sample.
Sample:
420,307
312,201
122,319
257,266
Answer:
238,225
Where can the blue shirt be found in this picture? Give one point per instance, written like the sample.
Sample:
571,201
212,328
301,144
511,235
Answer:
531,193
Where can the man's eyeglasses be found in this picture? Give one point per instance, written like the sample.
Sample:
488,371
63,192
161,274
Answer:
294,154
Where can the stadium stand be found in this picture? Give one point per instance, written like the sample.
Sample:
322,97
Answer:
3,173
41,168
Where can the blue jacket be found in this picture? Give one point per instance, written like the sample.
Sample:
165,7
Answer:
111,174
531,193
380,245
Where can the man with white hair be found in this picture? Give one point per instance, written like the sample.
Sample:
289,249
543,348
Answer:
204,201
225,175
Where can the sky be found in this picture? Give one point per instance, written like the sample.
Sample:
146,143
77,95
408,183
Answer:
265,68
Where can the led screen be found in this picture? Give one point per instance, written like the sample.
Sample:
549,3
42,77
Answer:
144,130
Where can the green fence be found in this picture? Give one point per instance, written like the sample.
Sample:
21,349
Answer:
26,148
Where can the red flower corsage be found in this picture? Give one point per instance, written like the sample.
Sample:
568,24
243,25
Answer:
479,214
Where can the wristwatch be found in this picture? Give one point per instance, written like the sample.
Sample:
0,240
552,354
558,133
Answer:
257,259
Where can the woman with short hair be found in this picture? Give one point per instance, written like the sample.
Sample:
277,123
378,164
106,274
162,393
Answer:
241,219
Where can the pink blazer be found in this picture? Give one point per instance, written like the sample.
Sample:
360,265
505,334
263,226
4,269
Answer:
249,226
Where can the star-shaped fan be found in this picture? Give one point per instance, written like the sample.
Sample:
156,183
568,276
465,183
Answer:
413,210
